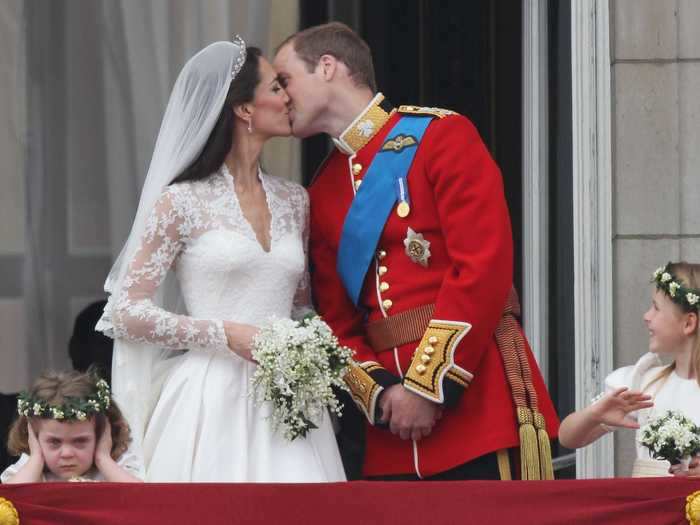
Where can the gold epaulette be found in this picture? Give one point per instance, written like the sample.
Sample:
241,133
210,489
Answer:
434,360
420,110
364,390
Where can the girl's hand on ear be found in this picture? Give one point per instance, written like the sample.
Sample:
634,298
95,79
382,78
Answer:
34,447
31,471
103,449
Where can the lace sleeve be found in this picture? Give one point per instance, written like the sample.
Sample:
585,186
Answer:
135,316
302,298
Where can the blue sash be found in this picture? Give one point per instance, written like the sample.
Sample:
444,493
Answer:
383,184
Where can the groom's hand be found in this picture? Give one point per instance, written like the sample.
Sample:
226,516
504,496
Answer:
409,415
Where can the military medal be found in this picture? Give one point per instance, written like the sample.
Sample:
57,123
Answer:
417,247
404,206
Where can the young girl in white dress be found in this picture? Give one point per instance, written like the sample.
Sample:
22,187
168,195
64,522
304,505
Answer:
648,388
217,248
70,429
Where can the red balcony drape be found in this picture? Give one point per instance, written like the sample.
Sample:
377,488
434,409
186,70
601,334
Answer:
656,501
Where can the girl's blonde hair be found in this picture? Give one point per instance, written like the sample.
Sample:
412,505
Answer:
55,388
689,275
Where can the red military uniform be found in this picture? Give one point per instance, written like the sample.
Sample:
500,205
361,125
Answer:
463,265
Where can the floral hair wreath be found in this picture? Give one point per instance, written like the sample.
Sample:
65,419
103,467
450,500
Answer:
679,294
73,409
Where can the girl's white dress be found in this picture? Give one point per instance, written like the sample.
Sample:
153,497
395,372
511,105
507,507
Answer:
670,393
128,461
206,425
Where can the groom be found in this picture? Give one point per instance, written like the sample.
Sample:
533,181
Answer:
412,260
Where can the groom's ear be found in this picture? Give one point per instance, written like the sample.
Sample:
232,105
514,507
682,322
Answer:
328,66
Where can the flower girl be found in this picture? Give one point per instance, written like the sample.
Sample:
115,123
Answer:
69,429
632,391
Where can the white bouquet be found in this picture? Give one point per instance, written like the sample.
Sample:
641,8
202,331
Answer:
298,364
671,436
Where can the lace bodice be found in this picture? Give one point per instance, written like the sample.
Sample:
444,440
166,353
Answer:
198,230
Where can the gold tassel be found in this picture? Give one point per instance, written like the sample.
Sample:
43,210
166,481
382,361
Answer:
545,448
529,457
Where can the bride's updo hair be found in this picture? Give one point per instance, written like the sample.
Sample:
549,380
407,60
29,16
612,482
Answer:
241,91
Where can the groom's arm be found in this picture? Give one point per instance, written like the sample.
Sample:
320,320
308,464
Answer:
367,379
467,188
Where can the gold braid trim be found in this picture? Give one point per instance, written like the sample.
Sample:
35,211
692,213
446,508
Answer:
692,508
420,110
366,126
8,513
461,378
363,388
535,449
434,359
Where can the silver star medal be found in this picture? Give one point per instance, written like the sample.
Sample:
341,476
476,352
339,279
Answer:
417,248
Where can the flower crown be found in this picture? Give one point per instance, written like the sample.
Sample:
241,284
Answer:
74,408
679,294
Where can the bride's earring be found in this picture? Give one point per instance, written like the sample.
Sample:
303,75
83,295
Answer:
250,125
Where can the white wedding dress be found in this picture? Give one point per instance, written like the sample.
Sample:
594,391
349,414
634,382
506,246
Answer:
206,426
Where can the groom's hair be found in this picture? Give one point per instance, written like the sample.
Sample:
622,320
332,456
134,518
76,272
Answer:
340,41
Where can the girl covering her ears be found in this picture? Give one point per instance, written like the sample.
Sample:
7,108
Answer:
649,388
70,429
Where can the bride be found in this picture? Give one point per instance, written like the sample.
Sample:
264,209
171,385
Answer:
217,247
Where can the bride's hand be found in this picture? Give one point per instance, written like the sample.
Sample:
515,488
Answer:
240,338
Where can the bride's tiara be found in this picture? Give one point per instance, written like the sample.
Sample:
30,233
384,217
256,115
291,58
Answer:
240,59
72,409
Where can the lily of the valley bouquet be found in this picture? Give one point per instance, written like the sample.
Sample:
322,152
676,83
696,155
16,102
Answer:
298,364
671,436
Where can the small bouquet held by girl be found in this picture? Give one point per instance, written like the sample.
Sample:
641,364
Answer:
672,437
299,363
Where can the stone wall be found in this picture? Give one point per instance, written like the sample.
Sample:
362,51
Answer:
656,168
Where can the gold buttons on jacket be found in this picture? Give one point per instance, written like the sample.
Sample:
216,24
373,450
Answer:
432,339
356,168
383,287
387,304
425,358
421,369
357,184
381,254
429,350
382,270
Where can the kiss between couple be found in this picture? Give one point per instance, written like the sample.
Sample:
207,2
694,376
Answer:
407,235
